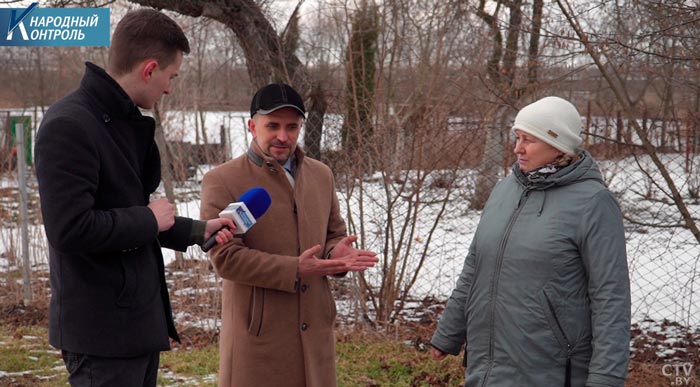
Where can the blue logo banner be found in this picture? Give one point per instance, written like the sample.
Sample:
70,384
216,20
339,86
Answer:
34,26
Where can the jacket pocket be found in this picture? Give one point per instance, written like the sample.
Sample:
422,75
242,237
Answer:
255,312
331,304
73,360
555,325
467,300
465,312
130,282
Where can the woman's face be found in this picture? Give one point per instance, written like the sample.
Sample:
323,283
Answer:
532,152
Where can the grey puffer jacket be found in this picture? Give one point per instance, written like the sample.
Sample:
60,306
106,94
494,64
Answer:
544,297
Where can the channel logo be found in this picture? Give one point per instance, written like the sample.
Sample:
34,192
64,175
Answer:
35,26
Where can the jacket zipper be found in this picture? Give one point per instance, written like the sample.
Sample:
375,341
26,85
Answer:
494,284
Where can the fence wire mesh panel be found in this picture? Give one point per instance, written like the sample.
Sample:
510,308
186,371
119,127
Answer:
410,192
408,195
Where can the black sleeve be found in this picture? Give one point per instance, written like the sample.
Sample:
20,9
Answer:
185,232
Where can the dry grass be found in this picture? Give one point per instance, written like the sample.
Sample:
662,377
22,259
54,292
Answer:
365,358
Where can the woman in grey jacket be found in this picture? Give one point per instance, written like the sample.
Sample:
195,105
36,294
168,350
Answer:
543,298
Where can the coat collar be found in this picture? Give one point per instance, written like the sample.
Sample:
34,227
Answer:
585,168
102,87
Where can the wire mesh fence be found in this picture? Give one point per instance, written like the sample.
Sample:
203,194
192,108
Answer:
411,202
424,255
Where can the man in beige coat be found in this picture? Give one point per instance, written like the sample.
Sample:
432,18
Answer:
277,308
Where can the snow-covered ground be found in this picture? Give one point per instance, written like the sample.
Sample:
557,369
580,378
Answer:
663,260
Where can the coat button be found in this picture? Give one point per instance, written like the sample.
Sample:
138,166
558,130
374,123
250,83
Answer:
304,326
106,118
304,287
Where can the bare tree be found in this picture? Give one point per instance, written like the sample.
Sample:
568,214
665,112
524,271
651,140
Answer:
360,68
607,65
501,70
400,209
267,58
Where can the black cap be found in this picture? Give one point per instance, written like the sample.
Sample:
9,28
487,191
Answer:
276,96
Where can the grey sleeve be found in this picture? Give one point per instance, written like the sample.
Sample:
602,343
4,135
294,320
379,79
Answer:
602,247
452,327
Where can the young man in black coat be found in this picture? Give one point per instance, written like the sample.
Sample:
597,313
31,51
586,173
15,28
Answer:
97,164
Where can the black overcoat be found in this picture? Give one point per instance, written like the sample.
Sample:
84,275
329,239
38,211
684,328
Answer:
97,164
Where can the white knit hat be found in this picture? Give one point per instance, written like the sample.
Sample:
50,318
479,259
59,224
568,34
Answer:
553,120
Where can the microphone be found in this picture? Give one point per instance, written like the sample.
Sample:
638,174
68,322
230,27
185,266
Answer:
249,207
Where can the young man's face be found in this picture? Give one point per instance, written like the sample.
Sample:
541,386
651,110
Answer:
277,133
159,82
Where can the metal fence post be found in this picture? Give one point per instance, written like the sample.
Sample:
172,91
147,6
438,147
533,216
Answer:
21,173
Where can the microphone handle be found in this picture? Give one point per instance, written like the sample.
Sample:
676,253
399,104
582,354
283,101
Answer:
211,242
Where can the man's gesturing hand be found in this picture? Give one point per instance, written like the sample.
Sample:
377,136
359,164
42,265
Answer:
355,260
309,264
344,258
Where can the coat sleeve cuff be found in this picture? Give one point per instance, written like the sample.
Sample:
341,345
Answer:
290,283
198,229
439,342
328,256
599,380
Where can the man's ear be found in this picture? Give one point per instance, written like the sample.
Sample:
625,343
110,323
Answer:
147,68
251,127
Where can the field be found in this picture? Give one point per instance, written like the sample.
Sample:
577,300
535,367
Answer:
365,358
662,260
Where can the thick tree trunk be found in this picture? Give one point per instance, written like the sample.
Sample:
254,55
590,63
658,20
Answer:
267,60
501,69
260,43
494,154
166,171
314,124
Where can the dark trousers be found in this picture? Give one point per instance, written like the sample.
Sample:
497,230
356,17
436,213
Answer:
94,371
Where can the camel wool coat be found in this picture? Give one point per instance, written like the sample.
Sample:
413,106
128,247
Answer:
277,330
